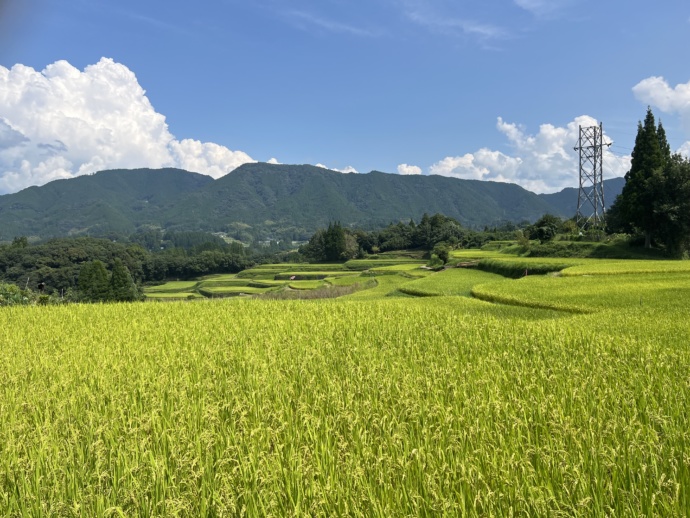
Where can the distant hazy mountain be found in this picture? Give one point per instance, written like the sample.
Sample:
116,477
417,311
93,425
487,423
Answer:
292,198
565,201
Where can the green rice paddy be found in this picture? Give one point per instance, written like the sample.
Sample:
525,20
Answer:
554,395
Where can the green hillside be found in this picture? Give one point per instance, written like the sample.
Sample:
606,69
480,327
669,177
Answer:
261,200
308,196
109,201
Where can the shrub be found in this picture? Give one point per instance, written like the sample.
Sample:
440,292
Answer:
435,261
12,295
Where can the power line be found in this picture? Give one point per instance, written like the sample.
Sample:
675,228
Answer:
610,166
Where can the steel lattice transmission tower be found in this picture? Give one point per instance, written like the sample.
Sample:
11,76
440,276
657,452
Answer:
591,192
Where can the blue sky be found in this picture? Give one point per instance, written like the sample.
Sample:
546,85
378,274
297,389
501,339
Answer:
490,89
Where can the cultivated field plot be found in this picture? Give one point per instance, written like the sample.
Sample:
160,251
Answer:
470,254
306,285
259,273
366,264
620,267
410,268
173,290
454,281
212,286
586,294
173,286
230,291
390,407
267,278
386,286
346,281
310,275
176,295
301,267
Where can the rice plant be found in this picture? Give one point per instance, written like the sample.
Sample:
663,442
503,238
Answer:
369,405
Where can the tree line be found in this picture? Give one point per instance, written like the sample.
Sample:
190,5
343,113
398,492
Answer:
92,269
436,233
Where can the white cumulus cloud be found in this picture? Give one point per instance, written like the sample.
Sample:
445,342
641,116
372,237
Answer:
62,122
346,170
409,169
482,165
541,162
206,157
656,92
685,149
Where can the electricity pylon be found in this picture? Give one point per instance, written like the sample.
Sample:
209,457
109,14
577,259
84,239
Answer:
591,192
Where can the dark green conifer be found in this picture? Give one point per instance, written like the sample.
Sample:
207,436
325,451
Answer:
335,243
122,287
664,146
635,205
94,282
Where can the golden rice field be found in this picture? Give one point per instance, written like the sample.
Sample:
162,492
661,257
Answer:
376,404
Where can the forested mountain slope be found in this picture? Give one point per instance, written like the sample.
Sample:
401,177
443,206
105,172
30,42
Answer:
292,199
116,201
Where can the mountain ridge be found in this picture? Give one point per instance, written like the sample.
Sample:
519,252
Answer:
567,198
289,200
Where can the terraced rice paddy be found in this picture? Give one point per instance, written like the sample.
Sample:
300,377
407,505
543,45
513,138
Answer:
411,269
346,281
222,291
306,285
311,275
619,267
212,287
367,264
376,404
267,278
454,281
173,296
587,294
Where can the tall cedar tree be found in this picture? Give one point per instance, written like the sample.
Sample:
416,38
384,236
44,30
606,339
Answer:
637,205
122,287
335,243
94,281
